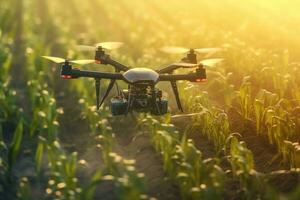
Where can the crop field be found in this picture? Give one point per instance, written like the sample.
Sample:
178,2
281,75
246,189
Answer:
242,140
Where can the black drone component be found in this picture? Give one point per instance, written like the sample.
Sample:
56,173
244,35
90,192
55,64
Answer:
141,95
191,57
102,58
176,93
97,86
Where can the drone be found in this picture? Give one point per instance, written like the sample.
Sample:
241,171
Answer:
141,94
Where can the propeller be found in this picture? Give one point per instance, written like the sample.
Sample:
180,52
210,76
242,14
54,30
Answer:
104,45
185,65
62,60
55,59
170,68
182,50
211,62
206,62
174,50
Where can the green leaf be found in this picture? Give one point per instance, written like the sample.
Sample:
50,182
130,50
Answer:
39,154
1,132
15,145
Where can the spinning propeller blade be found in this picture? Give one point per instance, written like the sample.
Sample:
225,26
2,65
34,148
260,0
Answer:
82,62
62,60
206,62
55,59
211,62
208,50
174,66
182,50
104,45
110,45
174,50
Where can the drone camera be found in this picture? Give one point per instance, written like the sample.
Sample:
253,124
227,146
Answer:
140,100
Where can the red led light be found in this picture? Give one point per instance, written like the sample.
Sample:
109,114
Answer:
66,76
200,80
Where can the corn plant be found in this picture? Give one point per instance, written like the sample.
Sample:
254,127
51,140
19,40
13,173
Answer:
245,98
295,88
291,153
45,112
24,189
222,84
265,101
129,183
242,166
15,146
62,182
272,193
182,161
210,121
281,82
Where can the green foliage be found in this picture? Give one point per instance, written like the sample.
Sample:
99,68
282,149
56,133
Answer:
210,121
221,83
242,165
39,154
196,178
245,97
15,145
24,190
129,184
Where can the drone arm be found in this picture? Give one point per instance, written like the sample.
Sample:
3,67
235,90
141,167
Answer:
102,58
116,64
76,73
193,77
168,69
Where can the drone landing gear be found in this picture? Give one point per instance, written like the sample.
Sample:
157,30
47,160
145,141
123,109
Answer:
176,93
97,86
110,86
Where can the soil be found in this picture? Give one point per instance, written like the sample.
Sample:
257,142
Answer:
266,159
265,155
130,144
